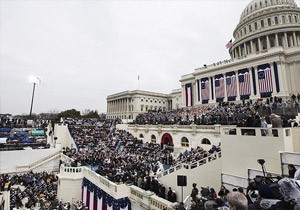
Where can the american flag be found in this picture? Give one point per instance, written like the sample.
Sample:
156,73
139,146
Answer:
205,89
219,87
265,80
231,85
244,83
229,44
97,199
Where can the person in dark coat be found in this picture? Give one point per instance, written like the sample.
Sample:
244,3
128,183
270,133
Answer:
194,192
292,170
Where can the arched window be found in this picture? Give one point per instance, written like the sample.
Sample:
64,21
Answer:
276,20
262,23
205,141
141,135
290,19
255,25
269,22
283,19
153,139
184,142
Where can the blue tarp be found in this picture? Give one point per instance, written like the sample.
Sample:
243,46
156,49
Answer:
5,130
27,140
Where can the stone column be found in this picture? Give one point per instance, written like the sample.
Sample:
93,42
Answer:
295,39
200,84
276,40
251,46
259,44
273,77
117,105
256,81
283,82
291,41
214,89
268,42
285,42
194,96
251,84
225,87
182,96
127,104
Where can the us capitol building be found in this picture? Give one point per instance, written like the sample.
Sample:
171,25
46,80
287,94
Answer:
265,62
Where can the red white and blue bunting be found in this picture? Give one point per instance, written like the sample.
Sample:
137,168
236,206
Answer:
97,199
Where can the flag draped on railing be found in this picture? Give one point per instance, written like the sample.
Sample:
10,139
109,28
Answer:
97,199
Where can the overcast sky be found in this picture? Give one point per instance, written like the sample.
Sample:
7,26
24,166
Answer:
87,50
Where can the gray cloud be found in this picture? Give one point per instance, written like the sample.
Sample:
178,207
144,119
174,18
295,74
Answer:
86,50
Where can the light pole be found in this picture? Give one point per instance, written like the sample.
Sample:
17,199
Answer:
34,80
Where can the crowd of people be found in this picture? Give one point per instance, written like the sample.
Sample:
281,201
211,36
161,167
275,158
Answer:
107,151
209,199
224,113
35,191
31,190
122,158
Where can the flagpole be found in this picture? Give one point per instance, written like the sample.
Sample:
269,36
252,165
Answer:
138,82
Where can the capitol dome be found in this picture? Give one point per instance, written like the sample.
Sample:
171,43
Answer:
258,5
265,25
